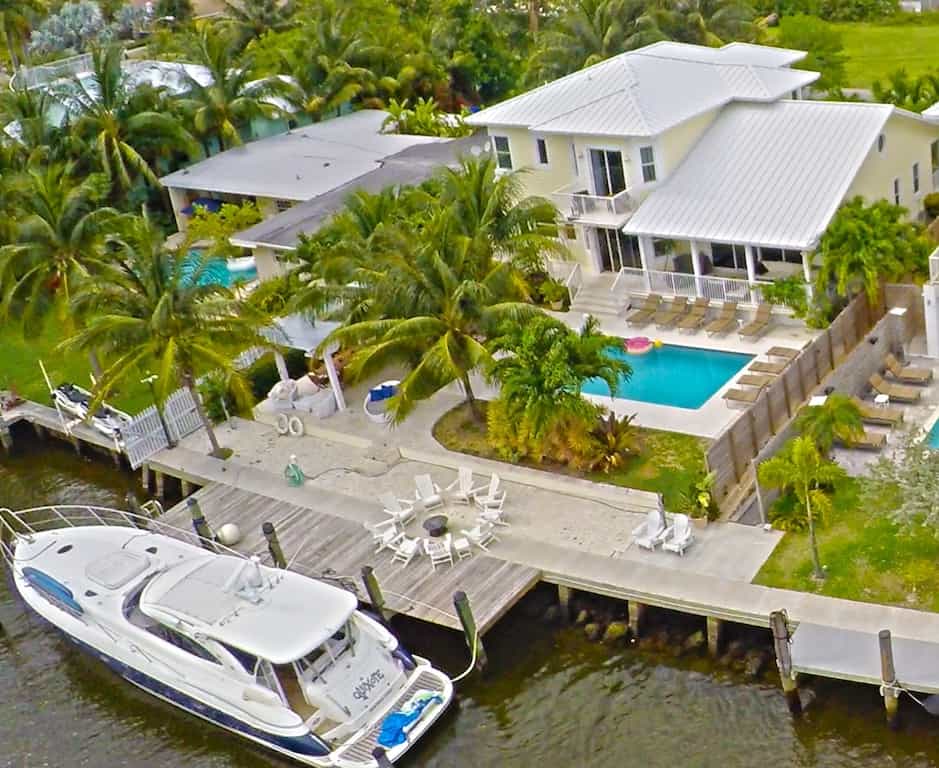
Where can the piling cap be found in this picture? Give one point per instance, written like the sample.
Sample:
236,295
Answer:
191,502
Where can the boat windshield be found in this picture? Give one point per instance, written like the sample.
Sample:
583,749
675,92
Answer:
317,661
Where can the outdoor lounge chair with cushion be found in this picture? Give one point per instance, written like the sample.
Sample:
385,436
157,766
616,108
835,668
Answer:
899,392
492,496
725,322
646,312
697,315
759,324
871,441
763,366
405,550
482,535
461,490
439,551
650,533
756,380
668,316
748,396
428,492
908,374
679,535
787,353
400,510
875,414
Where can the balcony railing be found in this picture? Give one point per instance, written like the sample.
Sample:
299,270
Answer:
934,266
632,280
577,204
569,273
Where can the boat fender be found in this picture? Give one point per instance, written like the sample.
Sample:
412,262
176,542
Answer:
283,424
295,426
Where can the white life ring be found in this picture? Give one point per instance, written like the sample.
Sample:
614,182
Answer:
295,426
283,424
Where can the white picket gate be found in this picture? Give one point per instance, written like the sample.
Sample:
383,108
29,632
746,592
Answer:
145,435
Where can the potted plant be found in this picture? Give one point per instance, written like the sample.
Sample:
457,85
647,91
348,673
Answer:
554,294
698,501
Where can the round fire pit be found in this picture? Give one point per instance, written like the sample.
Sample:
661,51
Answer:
435,525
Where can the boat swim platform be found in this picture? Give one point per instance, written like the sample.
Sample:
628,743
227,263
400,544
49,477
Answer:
850,655
44,417
322,545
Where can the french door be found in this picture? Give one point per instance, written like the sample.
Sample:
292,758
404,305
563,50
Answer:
609,177
616,250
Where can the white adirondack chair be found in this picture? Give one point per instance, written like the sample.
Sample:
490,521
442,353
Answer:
461,490
384,533
401,511
492,496
679,535
651,532
481,535
439,551
405,550
428,492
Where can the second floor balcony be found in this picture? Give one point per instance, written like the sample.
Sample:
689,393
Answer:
576,204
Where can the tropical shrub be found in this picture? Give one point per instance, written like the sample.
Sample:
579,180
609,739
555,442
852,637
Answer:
219,227
217,397
698,500
180,10
424,119
931,204
71,30
552,291
605,446
788,292
833,10
262,373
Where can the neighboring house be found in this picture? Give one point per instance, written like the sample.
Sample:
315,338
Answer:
300,178
695,170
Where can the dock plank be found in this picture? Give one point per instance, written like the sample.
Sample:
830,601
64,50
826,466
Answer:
319,544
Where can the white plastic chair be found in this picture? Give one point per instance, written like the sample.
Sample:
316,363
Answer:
492,496
679,535
494,515
428,492
651,532
461,490
481,535
384,533
405,550
400,510
439,551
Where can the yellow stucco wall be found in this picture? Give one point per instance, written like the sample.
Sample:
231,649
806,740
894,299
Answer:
268,265
674,144
907,141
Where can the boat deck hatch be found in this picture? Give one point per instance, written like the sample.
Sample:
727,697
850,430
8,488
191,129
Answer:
116,569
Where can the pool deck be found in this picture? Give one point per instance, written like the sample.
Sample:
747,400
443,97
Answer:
712,418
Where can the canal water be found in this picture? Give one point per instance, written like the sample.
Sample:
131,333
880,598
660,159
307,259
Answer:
550,698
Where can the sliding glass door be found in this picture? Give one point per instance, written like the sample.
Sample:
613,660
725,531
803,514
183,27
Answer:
609,177
616,250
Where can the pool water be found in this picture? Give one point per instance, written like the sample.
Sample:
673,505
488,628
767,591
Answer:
682,377
217,272
932,439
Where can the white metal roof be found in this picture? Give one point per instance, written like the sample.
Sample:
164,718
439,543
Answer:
766,174
300,164
647,91
282,620
732,53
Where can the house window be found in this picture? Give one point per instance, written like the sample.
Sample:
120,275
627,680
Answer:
647,159
503,155
915,178
541,147
881,142
896,191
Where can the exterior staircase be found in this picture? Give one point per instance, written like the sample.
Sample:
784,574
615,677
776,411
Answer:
596,298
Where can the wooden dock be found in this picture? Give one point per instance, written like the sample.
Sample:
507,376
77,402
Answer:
45,419
317,543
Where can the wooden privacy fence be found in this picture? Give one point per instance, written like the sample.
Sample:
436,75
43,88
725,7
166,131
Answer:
730,455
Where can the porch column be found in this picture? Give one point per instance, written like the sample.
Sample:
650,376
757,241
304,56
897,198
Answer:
807,271
333,375
696,267
751,264
281,366
647,257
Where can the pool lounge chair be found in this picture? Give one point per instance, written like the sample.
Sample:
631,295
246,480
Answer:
696,316
908,374
646,312
787,353
678,536
667,317
876,414
757,327
748,396
651,531
763,366
756,380
899,392
726,321
870,441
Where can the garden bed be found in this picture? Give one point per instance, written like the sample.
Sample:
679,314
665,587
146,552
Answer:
868,557
667,463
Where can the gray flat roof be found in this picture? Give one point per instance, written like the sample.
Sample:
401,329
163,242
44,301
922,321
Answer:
300,164
411,166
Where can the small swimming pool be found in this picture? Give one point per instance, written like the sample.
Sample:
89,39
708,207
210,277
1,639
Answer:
219,272
932,437
682,377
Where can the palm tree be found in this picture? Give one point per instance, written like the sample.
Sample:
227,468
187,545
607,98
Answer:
912,93
14,20
149,310
809,475
224,107
60,243
119,119
491,211
29,109
249,19
838,418
703,22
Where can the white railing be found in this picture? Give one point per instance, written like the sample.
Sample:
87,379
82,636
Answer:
30,77
633,280
568,273
577,204
934,266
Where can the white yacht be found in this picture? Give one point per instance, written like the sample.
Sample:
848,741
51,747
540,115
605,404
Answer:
278,658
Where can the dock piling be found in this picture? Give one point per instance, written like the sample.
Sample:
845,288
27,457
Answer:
273,544
636,612
372,588
160,480
564,600
465,614
199,524
381,758
715,631
779,624
888,676
6,438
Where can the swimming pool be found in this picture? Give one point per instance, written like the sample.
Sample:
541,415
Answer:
932,438
219,272
682,377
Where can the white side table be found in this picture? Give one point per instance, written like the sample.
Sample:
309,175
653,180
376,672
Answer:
461,548
882,400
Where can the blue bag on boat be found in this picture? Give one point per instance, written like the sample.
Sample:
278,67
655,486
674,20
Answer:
394,727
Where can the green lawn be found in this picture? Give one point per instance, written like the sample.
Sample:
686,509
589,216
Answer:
868,558
19,368
667,464
875,50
